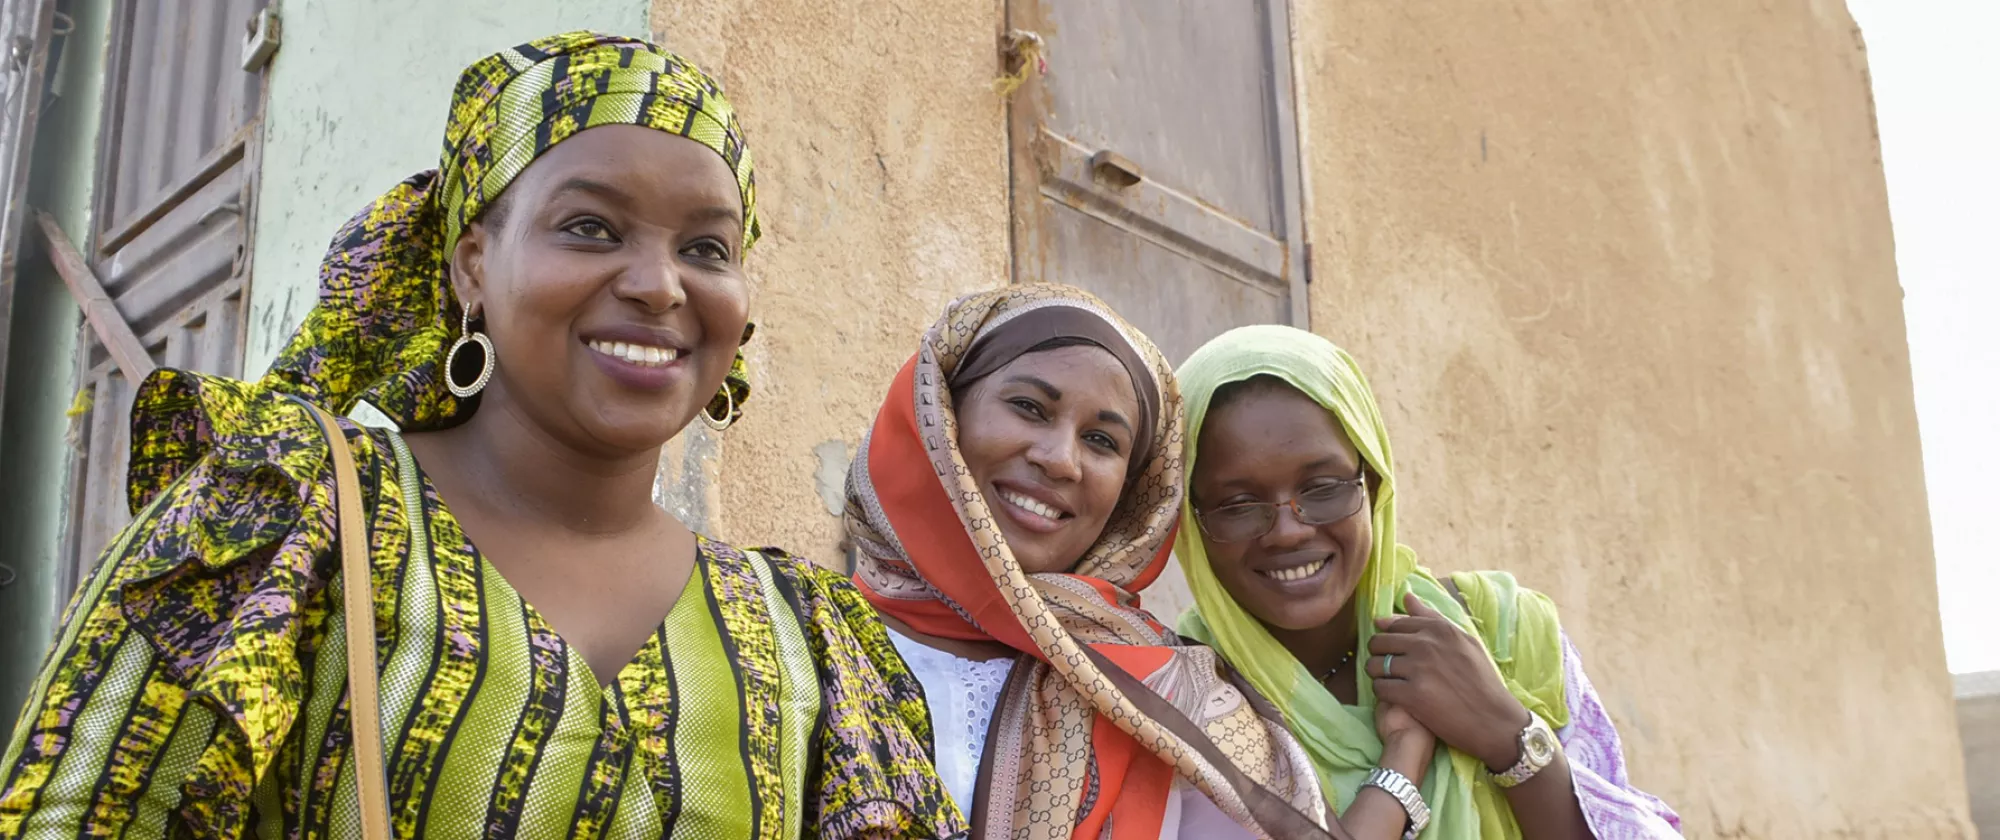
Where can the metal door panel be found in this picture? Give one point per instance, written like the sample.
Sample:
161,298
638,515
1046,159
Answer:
217,344
1181,87
1168,125
173,260
178,177
1153,286
178,101
100,470
1154,210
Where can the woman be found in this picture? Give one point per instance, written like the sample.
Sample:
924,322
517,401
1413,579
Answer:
558,655
1289,544
1019,486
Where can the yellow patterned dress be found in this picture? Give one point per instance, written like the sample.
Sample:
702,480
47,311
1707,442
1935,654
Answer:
198,687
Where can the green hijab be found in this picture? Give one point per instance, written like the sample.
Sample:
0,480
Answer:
1517,625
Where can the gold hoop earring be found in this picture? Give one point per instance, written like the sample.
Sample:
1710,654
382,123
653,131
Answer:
728,419
466,336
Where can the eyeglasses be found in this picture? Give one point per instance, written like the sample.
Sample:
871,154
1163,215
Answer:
1323,503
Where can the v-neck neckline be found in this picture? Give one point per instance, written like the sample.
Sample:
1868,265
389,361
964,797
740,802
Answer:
697,579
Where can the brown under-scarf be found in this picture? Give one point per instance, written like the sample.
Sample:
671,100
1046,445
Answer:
1050,328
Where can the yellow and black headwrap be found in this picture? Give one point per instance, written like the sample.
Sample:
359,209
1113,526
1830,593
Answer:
387,313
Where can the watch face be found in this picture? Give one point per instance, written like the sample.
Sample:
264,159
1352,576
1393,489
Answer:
1539,746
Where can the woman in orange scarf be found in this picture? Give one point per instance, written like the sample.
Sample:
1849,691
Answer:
1020,484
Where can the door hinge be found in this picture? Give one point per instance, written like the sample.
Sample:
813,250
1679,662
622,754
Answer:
262,33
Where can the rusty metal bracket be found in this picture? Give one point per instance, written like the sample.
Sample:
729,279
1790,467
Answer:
263,33
98,309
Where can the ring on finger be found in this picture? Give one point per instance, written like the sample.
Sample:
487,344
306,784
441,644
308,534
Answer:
1386,662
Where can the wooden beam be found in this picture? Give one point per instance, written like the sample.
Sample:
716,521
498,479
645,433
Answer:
118,338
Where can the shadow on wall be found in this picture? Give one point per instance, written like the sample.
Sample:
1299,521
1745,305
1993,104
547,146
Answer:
1979,730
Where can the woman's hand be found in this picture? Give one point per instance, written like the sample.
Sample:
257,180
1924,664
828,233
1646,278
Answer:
1442,676
1407,746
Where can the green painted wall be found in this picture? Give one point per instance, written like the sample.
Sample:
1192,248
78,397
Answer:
358,96
34,459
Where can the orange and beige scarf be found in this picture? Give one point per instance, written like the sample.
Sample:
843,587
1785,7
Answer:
1107,705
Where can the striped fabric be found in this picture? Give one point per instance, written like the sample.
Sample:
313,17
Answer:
186,698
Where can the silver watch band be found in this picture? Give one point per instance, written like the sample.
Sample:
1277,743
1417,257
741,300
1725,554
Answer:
1397,785
1538,750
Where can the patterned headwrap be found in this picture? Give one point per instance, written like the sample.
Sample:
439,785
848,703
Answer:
1107,706
387,312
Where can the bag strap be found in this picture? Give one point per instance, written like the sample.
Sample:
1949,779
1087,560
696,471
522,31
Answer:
358,611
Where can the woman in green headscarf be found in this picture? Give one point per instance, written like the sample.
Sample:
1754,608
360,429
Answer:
1288,540
558,656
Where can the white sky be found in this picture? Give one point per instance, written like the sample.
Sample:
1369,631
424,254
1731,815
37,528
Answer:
1936,66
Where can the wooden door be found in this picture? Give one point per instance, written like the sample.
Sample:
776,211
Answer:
176,181
1156,165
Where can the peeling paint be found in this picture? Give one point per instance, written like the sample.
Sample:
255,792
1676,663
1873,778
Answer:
832,475
685,485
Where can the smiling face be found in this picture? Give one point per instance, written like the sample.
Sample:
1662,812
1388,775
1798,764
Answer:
610,279
1263,441
1049,439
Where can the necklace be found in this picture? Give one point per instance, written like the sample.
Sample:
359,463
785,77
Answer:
1337,666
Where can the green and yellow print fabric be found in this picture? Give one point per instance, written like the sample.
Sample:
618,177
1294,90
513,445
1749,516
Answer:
513,105
198,685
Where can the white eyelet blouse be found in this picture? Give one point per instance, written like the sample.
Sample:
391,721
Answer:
961,694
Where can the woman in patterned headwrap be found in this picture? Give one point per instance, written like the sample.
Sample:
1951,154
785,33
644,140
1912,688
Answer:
1020,485
558,655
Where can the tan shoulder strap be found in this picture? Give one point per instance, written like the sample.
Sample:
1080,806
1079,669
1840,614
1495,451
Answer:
358,608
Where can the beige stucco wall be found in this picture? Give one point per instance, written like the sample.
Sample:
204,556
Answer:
1623,277
881,169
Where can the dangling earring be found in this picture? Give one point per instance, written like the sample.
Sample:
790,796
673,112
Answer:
466,336
728,418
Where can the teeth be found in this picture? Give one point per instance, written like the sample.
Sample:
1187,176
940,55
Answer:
1297,572
637,354
1031,506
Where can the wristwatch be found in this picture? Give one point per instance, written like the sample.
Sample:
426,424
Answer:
1397,785
1538,749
